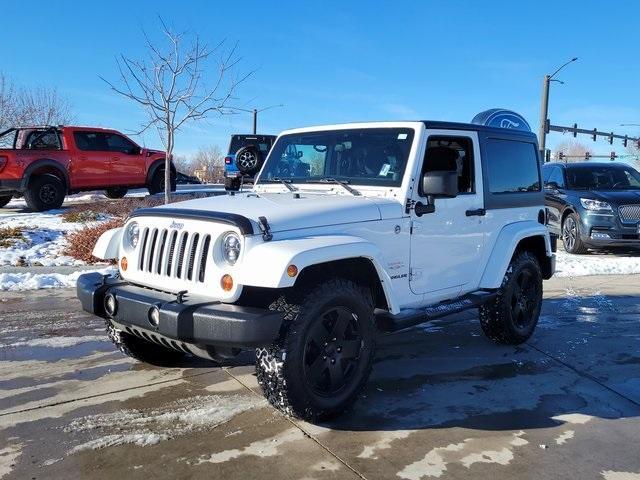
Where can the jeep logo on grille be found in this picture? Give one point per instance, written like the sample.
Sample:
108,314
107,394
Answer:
176,225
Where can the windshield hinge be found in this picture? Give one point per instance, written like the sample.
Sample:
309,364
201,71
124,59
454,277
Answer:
267,236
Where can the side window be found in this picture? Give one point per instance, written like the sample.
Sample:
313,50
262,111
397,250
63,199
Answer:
43,140
512,166
452,154
118,143
546,173
557,177
90,141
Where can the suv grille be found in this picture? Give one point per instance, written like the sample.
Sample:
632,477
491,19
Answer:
630,213
174,254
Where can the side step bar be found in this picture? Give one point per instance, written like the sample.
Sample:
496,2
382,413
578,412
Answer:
415,316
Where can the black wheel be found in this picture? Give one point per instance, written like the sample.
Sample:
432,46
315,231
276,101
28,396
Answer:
248,160
4,200
143,350
323,358
45,192
571,235
512,317
231,183
116,192
156,185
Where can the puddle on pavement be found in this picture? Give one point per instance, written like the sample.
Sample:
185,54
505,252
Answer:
53,354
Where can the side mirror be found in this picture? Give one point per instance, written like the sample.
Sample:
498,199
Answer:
552,186
440,183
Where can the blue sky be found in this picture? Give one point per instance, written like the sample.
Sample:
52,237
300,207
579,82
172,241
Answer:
338,61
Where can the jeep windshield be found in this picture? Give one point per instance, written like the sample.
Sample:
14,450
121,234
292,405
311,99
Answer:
359,156
603,178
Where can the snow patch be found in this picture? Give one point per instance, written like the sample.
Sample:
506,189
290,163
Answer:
497,450
568,265
369,451
148,427
573,418
564,436
8,457
261,448
37,281
611,475
57,342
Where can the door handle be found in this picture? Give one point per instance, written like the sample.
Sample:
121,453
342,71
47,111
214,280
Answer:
478,212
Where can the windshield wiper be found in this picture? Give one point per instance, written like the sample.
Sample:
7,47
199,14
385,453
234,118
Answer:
286,183
342,183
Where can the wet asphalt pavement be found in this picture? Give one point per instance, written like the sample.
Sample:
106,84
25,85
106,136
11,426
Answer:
442,402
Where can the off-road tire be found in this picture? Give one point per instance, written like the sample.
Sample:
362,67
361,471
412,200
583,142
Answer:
231,184
281,369
571,235
116,192
156,185
248,160
4,200
143,350
45,192
499,319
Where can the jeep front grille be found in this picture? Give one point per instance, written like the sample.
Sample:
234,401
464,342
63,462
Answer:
630,213
174,254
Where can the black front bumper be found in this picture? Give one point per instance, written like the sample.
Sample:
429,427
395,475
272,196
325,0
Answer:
192,321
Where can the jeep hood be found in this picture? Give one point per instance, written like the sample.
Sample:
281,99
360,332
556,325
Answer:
284,212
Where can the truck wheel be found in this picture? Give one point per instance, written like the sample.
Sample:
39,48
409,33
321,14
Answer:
512,317
571,235
4,200
231,184
45,192
116,192
143,350
248,160
156,185
323,358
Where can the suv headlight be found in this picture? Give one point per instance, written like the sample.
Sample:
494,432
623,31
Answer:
593,205
132,235
231,247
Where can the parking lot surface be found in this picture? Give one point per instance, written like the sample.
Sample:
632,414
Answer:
442,402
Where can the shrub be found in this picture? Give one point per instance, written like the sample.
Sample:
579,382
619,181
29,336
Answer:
77,215
81,242
10,235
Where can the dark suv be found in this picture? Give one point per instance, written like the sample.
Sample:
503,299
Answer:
593,205
245,158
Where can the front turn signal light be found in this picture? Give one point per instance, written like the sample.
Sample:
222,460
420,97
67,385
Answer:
124,264
292,270
226,282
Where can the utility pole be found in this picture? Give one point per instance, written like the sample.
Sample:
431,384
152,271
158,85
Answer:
255,112
544,109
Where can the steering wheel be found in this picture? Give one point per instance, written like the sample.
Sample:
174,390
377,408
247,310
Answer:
613,187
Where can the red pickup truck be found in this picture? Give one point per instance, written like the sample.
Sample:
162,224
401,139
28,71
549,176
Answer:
47,163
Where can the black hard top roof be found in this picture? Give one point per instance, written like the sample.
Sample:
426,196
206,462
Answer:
435,124
577,165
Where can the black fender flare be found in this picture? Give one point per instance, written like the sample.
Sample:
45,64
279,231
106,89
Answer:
48,163
153,168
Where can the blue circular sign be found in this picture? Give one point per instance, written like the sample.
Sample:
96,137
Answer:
501,118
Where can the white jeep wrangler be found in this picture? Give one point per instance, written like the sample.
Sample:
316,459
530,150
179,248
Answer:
350,230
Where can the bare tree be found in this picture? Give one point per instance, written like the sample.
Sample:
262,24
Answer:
209,163
21,106
171,85
573,148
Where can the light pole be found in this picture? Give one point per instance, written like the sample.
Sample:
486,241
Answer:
255,113
544,109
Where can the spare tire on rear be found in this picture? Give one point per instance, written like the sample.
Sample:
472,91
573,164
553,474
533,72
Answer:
248,160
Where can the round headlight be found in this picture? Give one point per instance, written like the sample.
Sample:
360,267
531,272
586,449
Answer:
133,234
231,247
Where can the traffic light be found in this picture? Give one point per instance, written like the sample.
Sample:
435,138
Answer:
587,155
560,155
613,156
